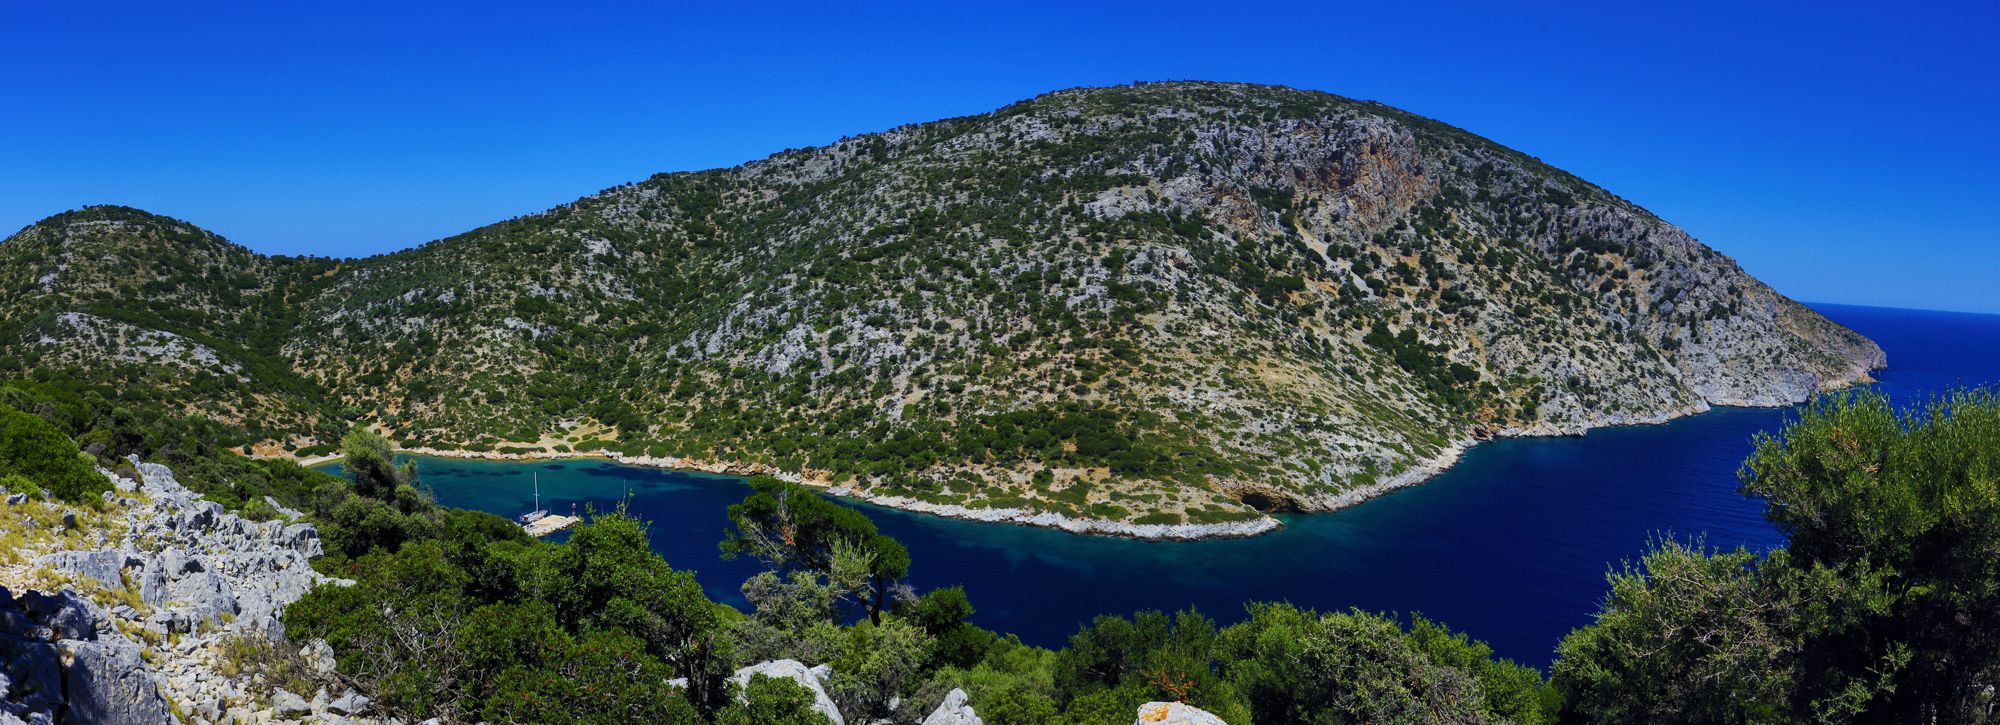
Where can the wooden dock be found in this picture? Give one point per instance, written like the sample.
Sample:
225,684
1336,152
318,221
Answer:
550,524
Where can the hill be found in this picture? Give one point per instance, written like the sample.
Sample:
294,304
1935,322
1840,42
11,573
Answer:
1156,310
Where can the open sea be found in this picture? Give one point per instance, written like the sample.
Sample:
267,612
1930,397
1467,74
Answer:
1511,545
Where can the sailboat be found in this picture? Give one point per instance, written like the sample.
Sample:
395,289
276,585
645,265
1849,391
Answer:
538,513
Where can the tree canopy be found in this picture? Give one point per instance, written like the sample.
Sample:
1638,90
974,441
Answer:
788,525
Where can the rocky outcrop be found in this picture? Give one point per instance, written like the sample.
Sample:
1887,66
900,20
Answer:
954,711
61,661
109,682
811,678
1174,713
160,586
193,564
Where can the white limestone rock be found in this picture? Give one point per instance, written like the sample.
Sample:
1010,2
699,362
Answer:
797,672
318,655
954,711
287,704
1174,713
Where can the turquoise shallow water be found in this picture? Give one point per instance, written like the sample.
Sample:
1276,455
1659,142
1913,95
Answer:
1511,545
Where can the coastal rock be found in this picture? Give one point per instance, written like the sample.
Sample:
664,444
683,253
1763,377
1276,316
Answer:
1174,713
953,711
797,672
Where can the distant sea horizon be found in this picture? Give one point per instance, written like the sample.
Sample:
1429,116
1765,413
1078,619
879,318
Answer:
1896,308
1510,546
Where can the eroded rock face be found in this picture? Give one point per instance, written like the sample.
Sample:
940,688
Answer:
103,566
55,665
109,682
32,668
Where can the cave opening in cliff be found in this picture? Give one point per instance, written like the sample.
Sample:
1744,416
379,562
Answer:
1267,501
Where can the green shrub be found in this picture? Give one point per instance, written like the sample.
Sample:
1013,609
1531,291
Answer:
33,449
773,701
17,483
1884,607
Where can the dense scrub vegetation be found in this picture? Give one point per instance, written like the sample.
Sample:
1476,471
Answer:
34,456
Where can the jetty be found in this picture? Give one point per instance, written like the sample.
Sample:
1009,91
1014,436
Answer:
549,524
538,523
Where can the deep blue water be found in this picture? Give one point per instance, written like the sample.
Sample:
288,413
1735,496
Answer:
1511,545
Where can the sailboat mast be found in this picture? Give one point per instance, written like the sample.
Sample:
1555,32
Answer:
538,492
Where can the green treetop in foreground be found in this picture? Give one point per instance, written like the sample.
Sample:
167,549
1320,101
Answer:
788,525
1885,606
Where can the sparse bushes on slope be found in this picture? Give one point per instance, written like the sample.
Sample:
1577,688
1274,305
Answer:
190,445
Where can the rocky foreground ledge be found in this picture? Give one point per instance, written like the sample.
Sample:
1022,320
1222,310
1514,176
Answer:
145,612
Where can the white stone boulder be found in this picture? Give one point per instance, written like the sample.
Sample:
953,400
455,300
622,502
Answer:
797,672
1174,713
288,704
954,711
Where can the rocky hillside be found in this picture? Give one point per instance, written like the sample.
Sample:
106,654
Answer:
1161,307
159,310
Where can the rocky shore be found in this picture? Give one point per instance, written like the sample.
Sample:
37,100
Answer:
1024,517
1423,471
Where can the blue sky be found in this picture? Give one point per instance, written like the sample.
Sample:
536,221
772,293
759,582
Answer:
1844,152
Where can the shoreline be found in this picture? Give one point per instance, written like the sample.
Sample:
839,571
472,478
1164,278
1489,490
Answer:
1417,474
1016,516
